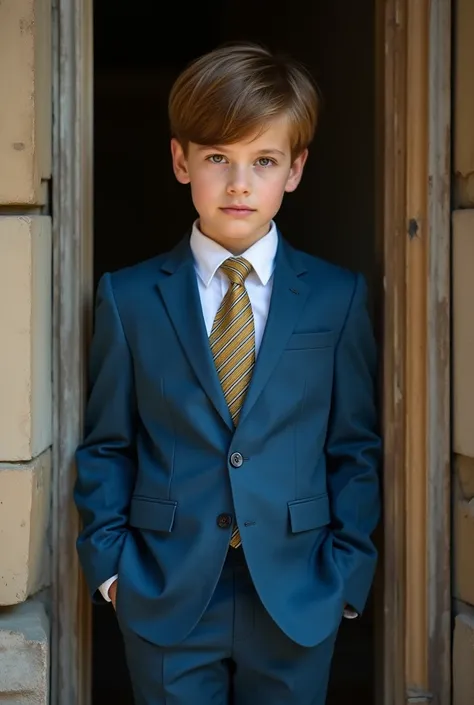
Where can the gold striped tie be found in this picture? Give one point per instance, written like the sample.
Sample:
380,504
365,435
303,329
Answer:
232,342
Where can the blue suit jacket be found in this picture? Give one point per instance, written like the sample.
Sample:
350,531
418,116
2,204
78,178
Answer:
155,473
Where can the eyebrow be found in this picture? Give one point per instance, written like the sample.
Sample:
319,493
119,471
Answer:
272,151
222,148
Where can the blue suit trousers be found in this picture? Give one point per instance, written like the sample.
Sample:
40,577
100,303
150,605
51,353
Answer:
236,653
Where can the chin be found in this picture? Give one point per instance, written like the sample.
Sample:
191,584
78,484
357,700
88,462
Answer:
242,230
238,234
237,230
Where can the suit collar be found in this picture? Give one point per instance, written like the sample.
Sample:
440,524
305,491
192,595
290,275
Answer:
177,257
180,295
182,254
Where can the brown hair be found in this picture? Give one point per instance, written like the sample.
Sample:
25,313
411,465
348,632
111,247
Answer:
235,90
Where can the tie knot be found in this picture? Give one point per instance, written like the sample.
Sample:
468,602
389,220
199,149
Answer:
237,269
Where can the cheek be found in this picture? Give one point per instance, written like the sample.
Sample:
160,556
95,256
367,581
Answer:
203,188
272,189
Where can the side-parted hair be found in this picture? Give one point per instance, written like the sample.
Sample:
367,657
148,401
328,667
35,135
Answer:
234,91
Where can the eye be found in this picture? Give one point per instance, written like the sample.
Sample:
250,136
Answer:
216,158
265,162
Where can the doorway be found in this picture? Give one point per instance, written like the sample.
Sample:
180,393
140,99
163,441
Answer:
140,210
411,296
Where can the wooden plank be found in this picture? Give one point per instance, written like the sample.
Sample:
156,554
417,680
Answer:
394,352
379,168
439,346
72,261
416,341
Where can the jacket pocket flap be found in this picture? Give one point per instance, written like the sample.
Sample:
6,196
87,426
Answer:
154,514
310,513
310,341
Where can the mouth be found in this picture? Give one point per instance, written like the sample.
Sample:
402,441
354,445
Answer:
238,210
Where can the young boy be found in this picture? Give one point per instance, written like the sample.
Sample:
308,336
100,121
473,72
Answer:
228,480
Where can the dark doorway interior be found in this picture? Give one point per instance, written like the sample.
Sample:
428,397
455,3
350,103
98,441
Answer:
140,210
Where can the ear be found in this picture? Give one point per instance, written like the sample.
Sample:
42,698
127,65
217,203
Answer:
296,172
180,163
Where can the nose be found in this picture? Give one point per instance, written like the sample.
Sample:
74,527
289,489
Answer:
239,182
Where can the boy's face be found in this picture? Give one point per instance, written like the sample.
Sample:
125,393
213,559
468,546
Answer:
237,189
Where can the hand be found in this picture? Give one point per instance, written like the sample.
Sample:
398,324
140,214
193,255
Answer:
113,593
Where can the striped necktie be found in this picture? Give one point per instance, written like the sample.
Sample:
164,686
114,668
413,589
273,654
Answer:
232,342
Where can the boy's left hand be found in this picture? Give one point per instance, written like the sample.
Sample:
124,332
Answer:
113,592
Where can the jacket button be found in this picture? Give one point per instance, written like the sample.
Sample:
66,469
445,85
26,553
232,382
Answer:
224,521
236,460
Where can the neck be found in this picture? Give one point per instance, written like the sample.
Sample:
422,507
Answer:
235,249
235,246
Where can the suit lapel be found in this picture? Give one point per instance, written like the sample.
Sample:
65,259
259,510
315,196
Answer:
180,295
289,296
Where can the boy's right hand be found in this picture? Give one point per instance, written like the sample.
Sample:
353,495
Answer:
113,592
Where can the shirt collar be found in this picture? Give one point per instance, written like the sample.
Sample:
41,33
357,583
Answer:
209,255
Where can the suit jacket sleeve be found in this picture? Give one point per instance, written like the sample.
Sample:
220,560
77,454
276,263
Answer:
106,460
353,452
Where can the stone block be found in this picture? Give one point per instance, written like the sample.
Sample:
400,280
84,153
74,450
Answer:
24,655
25,498
463,578
463,156
463,660
463,332
464,472
26,325
25,87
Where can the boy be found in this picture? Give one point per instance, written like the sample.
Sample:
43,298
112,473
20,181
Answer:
228,477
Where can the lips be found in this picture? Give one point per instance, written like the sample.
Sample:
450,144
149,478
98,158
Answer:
236,209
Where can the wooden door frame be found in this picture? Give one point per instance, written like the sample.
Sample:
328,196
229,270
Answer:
414,60
72,197
416,406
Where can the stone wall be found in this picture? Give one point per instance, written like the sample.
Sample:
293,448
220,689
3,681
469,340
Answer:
25,348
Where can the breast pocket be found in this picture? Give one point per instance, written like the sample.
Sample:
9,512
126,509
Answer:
311,341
